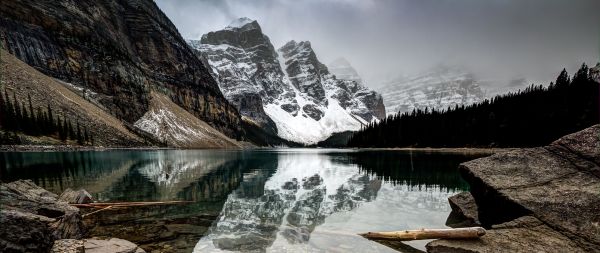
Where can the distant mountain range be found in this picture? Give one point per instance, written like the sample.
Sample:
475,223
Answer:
439,88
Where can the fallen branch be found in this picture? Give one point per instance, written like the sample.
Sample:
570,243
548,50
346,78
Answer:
422,234
87,214
128,204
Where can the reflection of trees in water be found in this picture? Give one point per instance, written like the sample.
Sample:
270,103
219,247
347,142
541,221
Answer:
416,169
57,171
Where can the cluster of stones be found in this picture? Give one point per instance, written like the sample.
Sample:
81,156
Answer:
36,220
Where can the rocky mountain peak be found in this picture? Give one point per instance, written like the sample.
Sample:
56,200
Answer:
289,92
242,32
242,22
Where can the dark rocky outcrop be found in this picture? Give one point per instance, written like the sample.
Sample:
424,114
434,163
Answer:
120,50
33,218
464,211
558,186
76,197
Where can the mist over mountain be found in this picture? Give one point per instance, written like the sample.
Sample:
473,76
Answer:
496,40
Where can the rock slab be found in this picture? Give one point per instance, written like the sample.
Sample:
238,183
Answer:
68,246
112,245
558,186
33,218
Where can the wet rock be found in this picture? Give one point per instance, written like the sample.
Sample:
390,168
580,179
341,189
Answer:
68,246
464,211
112,245
34,218
559,185
25,232
76,197
525,234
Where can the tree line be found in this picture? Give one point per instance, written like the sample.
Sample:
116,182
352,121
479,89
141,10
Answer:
534,116
23,118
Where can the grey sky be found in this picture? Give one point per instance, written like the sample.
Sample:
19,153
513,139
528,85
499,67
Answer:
496,39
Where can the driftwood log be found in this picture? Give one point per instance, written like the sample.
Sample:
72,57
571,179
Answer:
129,204
422,234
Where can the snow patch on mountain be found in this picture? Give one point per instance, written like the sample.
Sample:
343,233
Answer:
169,123
239,23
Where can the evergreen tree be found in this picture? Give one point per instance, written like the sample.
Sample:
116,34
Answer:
534,116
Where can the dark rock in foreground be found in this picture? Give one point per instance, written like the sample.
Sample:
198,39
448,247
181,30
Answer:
525,234
464,211
76,197
33,218
545,199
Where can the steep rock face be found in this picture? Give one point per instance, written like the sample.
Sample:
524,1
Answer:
118,49
439,88
245,65
288,92
24,82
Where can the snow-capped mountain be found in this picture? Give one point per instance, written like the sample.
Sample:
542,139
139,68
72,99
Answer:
440,88
289,91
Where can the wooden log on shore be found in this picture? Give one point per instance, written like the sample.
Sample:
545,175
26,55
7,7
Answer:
128,204
422,234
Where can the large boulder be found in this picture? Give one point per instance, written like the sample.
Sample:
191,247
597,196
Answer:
464,211
112,245
559,185
25,232
33,218
80,196
525,234
68,246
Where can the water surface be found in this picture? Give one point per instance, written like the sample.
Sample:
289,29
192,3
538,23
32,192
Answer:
306,200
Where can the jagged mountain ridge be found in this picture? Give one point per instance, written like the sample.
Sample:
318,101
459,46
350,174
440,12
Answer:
440,88
287,91
120,50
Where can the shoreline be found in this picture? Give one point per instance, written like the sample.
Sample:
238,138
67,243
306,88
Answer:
74,148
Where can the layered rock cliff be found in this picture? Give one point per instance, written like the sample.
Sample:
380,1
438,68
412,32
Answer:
120,50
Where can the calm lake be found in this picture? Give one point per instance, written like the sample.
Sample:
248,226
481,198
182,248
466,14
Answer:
297,200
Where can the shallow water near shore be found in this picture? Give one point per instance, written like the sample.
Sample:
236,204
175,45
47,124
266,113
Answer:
276,200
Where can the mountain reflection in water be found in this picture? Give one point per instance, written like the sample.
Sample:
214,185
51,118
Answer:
264,200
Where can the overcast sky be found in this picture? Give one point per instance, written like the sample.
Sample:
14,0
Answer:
497,39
